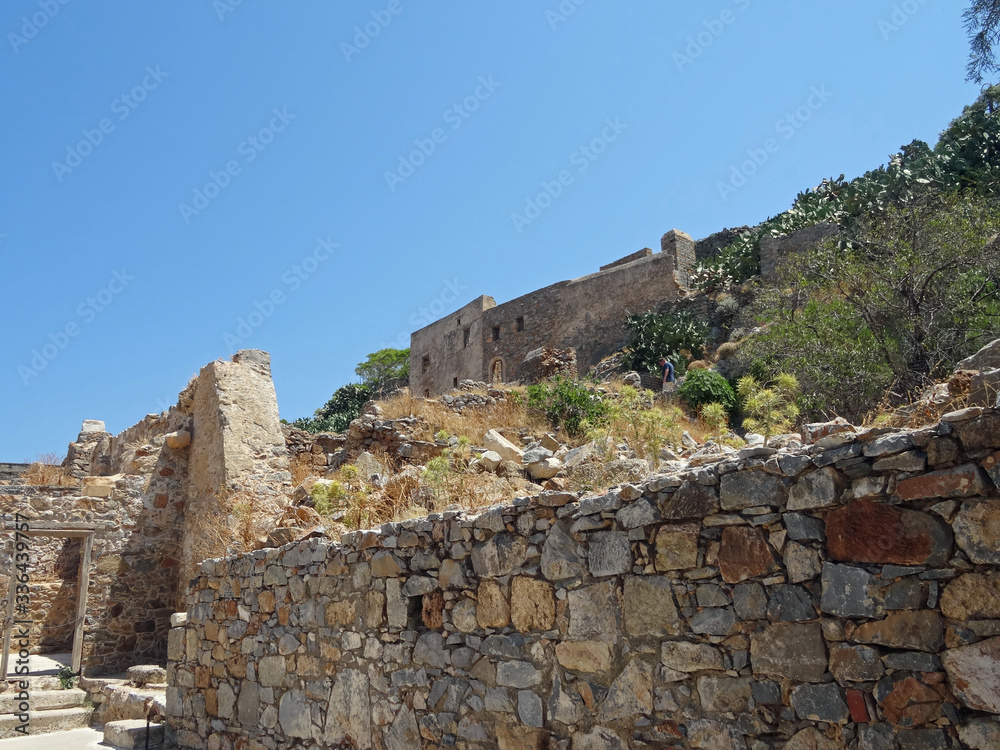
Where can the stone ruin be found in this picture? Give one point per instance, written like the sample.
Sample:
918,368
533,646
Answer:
840,592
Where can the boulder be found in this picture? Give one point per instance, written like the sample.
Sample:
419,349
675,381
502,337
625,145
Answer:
490,460
987,358
494,441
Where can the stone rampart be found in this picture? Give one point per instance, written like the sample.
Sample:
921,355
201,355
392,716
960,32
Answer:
845,594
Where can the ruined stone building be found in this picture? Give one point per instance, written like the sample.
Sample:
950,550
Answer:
488,342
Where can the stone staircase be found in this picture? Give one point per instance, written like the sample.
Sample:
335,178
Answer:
50,709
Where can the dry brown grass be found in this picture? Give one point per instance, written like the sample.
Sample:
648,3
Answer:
917,411
473,423
243,519
47,471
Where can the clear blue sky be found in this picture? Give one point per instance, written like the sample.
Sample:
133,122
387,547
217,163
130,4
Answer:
131,246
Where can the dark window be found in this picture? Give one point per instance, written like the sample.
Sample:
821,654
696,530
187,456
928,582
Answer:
454,382
427,392
496,333
520,323
425,363
459,322
465,338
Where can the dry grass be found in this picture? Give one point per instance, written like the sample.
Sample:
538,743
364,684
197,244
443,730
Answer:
243,519
47,471
917,410
474,422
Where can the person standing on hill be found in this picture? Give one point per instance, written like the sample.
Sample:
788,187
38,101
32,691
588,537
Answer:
667,373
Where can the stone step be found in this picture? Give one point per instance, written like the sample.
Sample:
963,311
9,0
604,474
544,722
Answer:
44,722
131,733
42,700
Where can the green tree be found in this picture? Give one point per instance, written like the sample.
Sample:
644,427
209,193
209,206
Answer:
982,22
385,369
914,289
337,414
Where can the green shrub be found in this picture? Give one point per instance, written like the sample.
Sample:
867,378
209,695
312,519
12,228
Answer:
655,335
702,387
569,403
337,414
66,677
772,409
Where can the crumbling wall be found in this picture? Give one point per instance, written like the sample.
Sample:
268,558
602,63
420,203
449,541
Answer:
845,594
775,250
133,576
238,447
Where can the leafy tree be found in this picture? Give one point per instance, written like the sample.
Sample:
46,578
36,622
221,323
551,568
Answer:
966,158
982,22
702,387
337,414
914,289
385,369
655,335
772,409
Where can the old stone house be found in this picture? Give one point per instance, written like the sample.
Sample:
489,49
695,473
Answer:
488,342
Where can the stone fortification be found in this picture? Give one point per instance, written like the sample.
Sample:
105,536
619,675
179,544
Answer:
152,496
840,594
488,342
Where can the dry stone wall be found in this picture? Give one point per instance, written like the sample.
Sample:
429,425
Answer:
845,594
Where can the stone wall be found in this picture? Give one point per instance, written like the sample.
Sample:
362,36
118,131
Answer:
133,576
774,249
840,594
488,342
449,350
157,491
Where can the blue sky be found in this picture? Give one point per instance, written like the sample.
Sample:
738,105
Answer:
333,174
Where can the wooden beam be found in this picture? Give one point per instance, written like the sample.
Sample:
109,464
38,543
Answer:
81,602
9,622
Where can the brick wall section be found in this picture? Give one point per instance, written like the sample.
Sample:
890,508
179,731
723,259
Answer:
845,594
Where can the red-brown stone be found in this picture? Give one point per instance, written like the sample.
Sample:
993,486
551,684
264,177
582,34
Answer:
744,554
856,705
912,703
160,501
871,532
966,480
432,610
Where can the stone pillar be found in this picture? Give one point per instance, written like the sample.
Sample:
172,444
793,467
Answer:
237,444
681,248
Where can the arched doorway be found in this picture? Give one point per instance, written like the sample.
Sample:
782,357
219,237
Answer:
496,371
